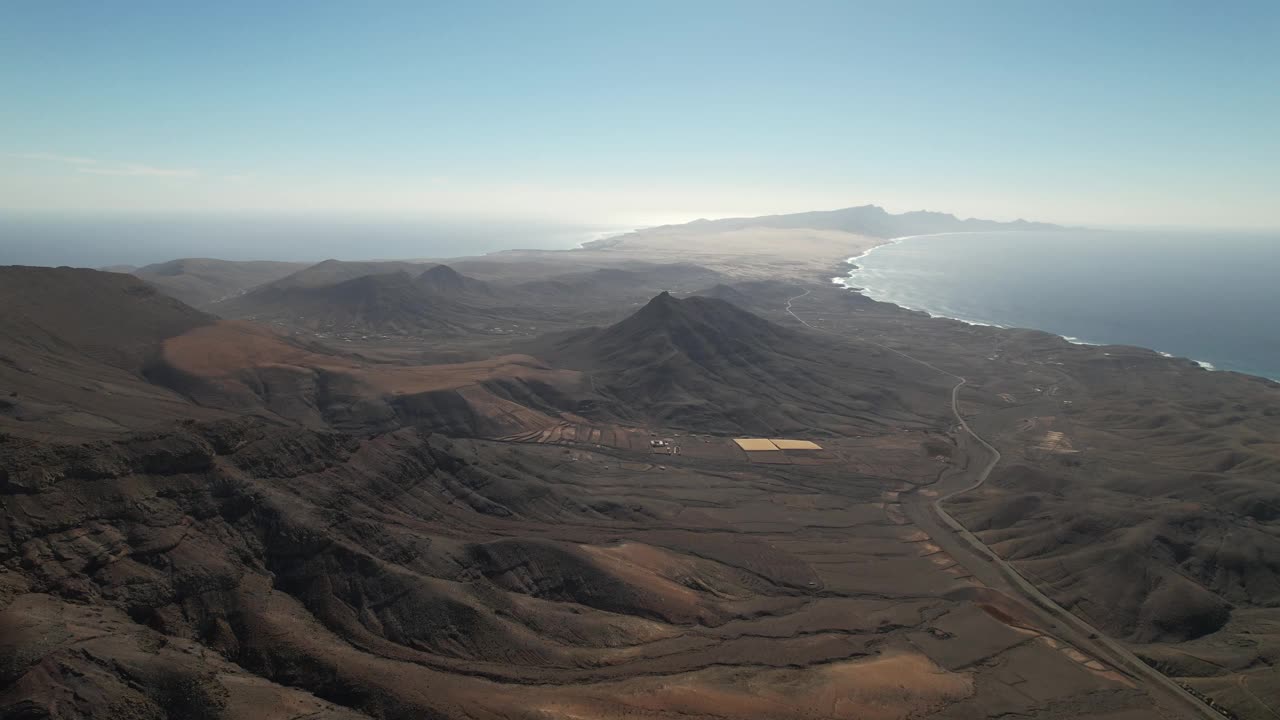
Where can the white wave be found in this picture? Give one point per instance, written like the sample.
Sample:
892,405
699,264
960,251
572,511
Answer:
1078,341
847,280
888,295
966,321
604,235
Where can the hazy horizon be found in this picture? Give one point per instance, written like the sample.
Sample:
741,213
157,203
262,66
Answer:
118,238
90,239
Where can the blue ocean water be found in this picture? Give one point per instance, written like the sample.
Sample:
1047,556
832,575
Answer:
1211,297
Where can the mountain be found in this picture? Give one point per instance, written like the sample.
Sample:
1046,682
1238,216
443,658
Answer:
207,519
244,569
393,303
704,330
330,272
201,281
705,363
870,220
86,354
444,281
358,298
249,369
1154,511
76,345
247,565
115,318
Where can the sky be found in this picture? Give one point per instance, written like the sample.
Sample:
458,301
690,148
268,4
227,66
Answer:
1106,113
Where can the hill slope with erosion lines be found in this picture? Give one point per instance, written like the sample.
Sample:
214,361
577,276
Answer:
704,363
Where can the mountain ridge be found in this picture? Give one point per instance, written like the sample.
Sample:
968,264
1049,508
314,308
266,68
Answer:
200,282
386,302
870,220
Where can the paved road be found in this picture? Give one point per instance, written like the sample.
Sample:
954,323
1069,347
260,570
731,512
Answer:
989,568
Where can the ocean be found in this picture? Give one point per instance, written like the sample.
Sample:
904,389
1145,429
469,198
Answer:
103,239
1211,297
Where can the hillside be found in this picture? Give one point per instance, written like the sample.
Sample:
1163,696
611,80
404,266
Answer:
221,520
376,574
199,282
75,345
392,303
110,316
88,354
705,363
408,301
1146,500
331,272
246,368
444,281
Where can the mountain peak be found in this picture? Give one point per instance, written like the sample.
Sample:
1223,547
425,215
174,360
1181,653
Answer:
687,361
693,326
440,271
660,308
444,280
661,305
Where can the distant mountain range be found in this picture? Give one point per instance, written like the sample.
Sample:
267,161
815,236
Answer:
407,298
871,220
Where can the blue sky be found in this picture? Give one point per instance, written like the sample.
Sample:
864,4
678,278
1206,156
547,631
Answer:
1092,112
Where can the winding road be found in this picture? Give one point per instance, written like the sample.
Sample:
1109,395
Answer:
990,569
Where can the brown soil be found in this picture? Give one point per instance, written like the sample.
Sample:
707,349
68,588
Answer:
262,524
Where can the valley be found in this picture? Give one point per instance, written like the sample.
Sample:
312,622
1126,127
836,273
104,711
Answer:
452,489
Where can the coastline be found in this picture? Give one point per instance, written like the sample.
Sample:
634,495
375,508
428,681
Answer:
894,241
847,281
844,281
599,240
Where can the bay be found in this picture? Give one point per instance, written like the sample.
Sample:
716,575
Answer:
1211,297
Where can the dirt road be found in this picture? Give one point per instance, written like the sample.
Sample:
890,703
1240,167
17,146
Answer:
928,514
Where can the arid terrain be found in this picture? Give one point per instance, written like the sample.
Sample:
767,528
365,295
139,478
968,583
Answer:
508,487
